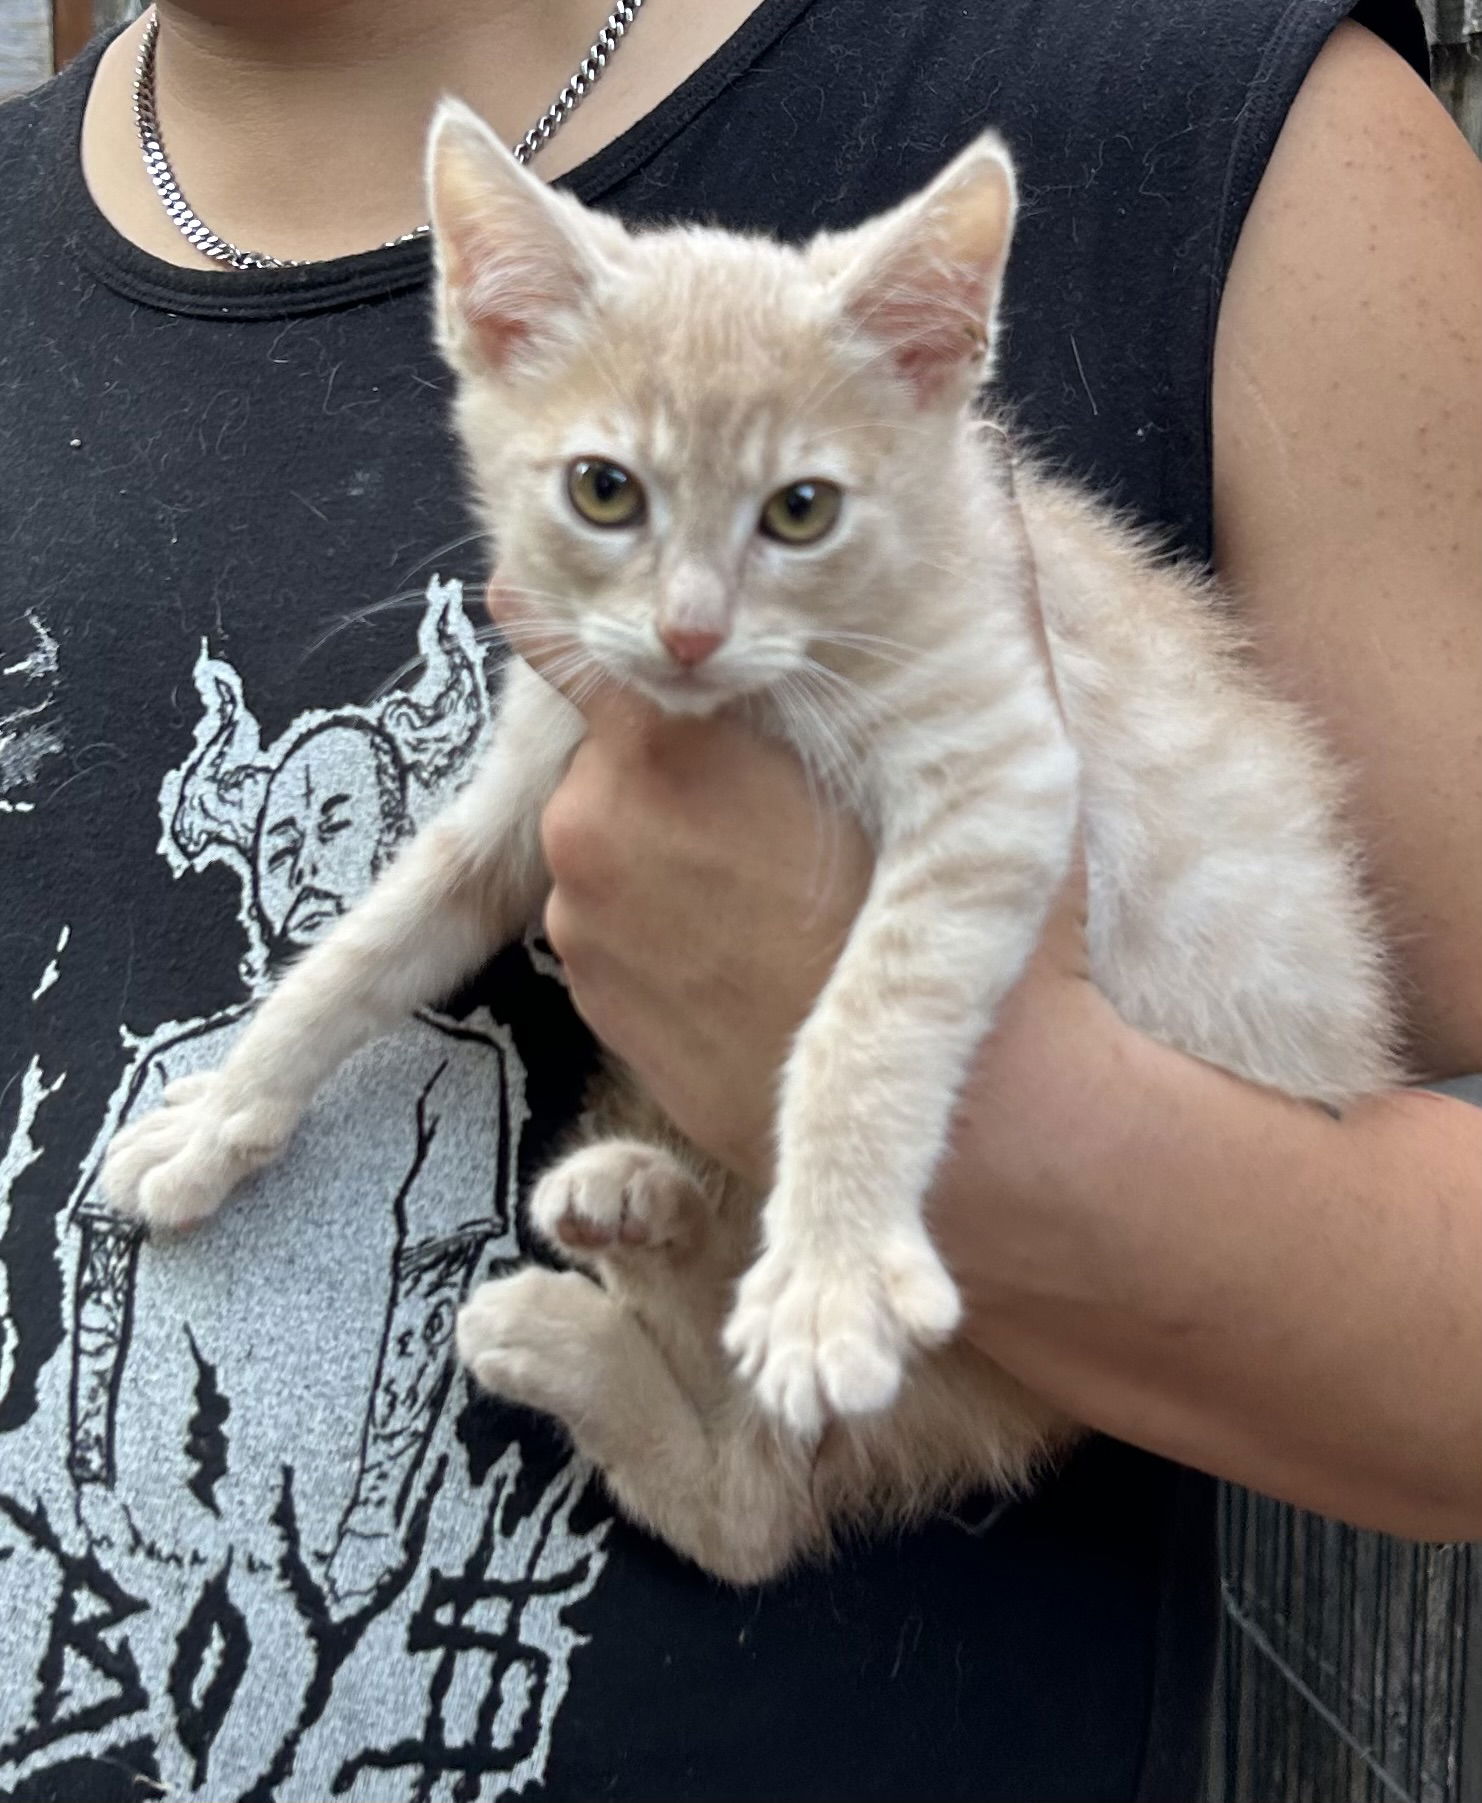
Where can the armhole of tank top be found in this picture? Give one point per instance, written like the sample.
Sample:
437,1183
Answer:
1296,43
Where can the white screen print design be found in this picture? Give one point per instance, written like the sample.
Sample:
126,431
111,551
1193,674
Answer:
252,1536
30,733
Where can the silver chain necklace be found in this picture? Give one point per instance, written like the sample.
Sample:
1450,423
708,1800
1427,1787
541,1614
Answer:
221,250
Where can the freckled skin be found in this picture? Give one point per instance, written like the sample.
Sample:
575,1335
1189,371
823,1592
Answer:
1348,410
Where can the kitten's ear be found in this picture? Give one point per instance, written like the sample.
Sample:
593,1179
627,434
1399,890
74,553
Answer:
925,279
514,267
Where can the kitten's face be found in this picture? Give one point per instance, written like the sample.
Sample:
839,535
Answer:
712,465
708,512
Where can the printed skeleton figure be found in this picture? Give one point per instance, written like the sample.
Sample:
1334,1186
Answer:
307,825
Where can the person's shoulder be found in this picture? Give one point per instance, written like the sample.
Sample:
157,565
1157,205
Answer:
31,127
1148,33
1074,77
39,134
1140,47
22,114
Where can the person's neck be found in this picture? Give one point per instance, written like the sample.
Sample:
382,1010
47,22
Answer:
296,127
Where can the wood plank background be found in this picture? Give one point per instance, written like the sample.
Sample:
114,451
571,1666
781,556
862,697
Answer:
1350,1664
25,45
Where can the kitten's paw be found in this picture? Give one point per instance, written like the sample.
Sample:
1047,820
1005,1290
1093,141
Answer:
828,1333
174,1167
617,1195
526,1337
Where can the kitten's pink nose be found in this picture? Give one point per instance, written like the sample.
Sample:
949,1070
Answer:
688,647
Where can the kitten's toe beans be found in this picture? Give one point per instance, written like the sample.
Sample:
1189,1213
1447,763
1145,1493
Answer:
816,1336
616,1194
809,1341
921,1294
519,1336
174,1167
752,1327
182,1193
860,1375
787,1389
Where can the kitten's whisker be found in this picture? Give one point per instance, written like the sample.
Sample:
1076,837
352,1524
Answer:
537,594
817,394
848,635
842,793
611,374
957,570
596,677
397,677
539,640
567,672
410,597
821,733
902,658
453,544
892,426
824,816
858,706
858,327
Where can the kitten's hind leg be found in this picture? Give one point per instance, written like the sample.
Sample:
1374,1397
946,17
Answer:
717,1484
616,1197
665,1241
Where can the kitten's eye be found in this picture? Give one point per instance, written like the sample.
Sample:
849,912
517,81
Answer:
802,512
604,493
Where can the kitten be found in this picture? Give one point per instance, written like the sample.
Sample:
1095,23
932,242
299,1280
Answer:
720,469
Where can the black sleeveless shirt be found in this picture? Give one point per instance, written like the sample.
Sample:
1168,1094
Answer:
256,1538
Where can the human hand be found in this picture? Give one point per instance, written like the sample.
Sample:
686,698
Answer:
700,897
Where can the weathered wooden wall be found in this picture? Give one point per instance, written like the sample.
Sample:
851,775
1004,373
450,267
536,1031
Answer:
25,44
1456,60
1346,1675
1351,1664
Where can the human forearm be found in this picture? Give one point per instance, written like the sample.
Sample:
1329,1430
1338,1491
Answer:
1231,1278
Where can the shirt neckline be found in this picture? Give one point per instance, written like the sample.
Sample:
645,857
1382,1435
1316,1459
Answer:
367,275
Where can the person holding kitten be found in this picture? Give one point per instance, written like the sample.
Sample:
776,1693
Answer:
242,1493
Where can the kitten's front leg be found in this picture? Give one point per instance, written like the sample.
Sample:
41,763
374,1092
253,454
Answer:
848,1283
463,887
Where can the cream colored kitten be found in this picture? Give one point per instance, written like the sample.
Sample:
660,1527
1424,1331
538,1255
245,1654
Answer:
719,468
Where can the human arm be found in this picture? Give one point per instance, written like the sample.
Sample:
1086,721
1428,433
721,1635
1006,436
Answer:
1232,1279
1176,1257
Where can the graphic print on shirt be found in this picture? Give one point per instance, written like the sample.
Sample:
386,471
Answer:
29,732
248,1488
